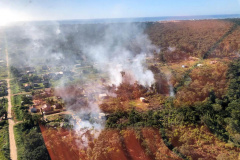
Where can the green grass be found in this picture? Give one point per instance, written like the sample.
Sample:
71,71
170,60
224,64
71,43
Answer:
16,100
19,140
15,87
4,141
17,109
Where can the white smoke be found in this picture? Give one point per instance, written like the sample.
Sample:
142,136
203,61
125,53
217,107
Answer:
124,48
171,91
113,47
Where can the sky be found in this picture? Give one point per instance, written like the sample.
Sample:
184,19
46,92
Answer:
22,10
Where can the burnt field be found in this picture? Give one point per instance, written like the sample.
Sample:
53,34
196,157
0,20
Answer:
128,91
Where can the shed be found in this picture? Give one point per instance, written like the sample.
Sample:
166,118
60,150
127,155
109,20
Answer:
102,116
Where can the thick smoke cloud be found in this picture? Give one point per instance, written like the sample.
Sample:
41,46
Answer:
109,48
123,48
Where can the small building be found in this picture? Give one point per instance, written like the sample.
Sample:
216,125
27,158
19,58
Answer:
27,87
30,72
46,84
103,96
57,106
36,85
199,65
142,99
184,66
23,79
37,80
103,116
47,108
59,73
29,96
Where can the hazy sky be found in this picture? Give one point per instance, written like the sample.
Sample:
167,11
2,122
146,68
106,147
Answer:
87,9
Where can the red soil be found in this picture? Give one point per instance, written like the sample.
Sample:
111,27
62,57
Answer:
111,144
133,146
156,145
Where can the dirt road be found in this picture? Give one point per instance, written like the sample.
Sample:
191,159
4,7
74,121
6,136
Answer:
12,142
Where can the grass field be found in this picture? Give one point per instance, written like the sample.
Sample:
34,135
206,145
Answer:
16,103
15,87
4,141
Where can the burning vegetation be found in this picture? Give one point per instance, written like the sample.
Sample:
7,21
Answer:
127,91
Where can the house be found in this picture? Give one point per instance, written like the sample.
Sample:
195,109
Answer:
23,79
103,116
57,106
199,65
103,96
30,72
58,75
27,87
46,84
37,80
36,85
46,108
29,96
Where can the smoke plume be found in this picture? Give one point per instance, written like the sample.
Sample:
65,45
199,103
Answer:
109,49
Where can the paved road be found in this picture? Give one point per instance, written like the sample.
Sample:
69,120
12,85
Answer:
12,142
